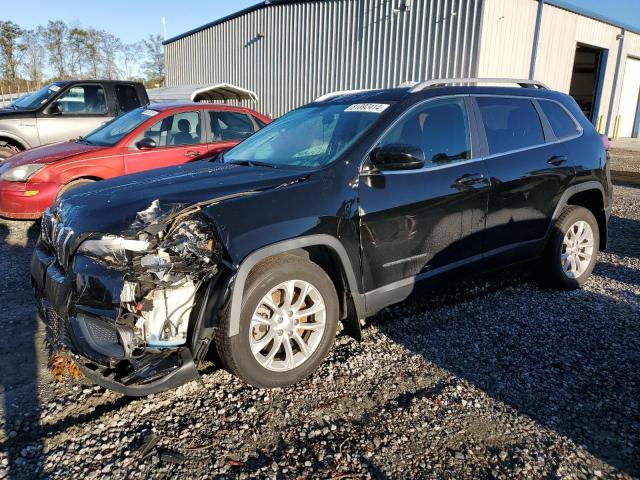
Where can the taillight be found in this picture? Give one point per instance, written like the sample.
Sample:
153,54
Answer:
605,142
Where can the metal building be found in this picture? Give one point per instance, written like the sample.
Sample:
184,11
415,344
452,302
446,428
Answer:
290,52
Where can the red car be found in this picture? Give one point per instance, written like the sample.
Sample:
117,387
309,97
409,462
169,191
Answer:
158,135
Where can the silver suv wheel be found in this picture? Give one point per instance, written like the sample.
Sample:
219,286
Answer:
577,249
287,326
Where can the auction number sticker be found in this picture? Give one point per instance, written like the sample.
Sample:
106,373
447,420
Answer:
368,107
150,113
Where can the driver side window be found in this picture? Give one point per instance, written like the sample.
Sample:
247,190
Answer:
83,100
179,129
440,128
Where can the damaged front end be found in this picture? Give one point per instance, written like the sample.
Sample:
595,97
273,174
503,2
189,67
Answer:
130,308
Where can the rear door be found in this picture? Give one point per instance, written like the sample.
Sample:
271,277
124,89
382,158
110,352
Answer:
529,170
178,140
417,223
227,128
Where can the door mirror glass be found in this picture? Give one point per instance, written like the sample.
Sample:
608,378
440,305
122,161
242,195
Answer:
146,144
398,156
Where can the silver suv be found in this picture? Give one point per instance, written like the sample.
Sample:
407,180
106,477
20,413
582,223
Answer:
65,110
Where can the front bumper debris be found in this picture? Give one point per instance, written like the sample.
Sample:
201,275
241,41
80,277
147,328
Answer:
80,307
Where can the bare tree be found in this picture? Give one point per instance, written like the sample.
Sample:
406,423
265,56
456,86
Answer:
11,50
153,67
130,55
55,36
110,47
34,60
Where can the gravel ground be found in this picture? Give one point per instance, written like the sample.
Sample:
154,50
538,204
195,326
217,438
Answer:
626,157
488,379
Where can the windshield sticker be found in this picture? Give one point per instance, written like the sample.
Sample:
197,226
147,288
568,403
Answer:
150,113
368,107
54,88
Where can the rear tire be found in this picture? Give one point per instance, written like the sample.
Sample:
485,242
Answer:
278,345
572,249
73,185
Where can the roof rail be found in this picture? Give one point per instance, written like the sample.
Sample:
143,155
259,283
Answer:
329,95
454,81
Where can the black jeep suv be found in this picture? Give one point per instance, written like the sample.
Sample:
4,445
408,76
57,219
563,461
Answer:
329,214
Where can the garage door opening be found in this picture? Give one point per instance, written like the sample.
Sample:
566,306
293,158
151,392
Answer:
586,81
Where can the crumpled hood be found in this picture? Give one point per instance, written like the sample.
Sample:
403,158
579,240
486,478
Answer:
115,206
49,153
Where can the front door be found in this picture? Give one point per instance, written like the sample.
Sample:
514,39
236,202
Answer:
416,223
81,109
178,140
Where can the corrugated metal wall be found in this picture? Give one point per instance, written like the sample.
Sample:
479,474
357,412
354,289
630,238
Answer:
291,53
507,42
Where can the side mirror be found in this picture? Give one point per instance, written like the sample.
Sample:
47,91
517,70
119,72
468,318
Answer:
398,156
146,144
55,109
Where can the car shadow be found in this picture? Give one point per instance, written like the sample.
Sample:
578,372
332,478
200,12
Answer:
19,355
579,378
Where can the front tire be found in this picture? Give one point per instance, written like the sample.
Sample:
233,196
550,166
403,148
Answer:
288,323
572,250
6,151
73,185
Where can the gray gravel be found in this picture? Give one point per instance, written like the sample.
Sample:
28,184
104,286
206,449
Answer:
487,379
626,156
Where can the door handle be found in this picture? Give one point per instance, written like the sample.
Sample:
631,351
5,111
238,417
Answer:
471,179
557,160
192,154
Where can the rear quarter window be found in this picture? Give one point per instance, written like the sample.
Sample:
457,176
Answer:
510,123
562,124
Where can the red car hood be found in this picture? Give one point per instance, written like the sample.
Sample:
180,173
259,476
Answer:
50,153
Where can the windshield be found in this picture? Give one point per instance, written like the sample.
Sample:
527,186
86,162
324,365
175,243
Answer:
307,137
112,132
36,99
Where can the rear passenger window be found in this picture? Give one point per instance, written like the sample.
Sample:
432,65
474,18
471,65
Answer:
230,126
510,123
561,122
440,128
127,97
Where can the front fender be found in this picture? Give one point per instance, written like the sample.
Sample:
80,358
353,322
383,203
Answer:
286,246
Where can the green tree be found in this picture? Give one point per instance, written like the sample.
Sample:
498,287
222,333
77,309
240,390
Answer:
55,40
11,49
153,67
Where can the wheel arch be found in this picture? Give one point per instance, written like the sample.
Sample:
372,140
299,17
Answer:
591,196
326,251
14,141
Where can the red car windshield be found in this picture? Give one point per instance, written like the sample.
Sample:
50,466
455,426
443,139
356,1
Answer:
112,132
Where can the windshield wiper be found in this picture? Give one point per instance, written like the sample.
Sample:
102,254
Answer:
252,163
81,139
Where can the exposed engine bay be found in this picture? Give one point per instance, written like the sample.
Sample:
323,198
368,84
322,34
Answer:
165,267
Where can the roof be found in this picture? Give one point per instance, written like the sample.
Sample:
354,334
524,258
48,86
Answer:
164,106
556,3
201,92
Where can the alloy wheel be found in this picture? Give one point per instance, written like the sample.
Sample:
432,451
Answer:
287,326
577,249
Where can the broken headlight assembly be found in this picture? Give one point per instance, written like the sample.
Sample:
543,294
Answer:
112,249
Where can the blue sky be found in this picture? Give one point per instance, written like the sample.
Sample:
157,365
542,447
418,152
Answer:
134,20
